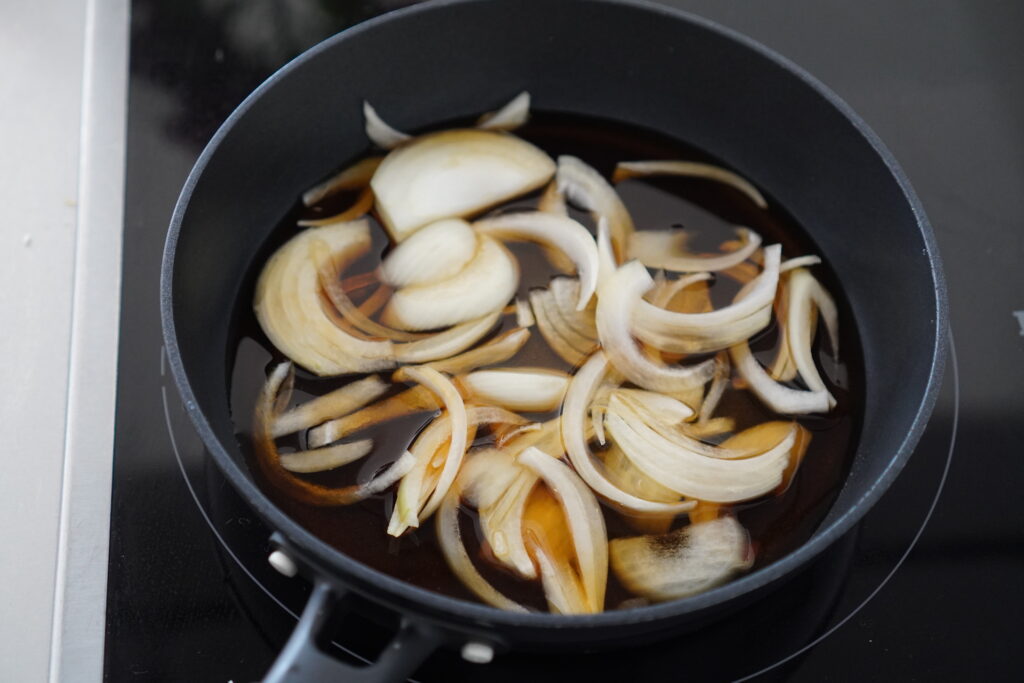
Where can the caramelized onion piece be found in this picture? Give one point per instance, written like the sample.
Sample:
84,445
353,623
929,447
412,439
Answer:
379,132
454,173
353,177
514,114
688,561
435,252
289,308
588,189
586,522
483,286
559,232
498,350
573,423
666,249
362,206
692,169
618,299
335,404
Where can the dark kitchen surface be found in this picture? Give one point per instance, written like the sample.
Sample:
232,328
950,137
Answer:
941,82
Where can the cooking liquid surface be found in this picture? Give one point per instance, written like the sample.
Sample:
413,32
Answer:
777,524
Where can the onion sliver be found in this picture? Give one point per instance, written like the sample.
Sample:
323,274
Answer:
361,207
328,458
546,324
628,477
484,285
803,290
651,321
352,177
448,343
560,232
443,388
776,396
435,252
574,416
566,293
665,292
552,200
335,404
269,460
450,539
454,173
666,408
543,302
663,249
588,189
719,383
617,300
692,169
583,514
524,314
799,262
521,389
695,475
379,132
414,400
289,308
514,114
688,561
498,350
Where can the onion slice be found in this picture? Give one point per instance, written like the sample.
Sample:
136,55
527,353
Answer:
586,522
776,396
560,232
448,343
803,290
552,334
335,404
498,350
692,169
799,262
617,300
573,423
524,314
454,173
520,389
359,208
435,252
665,249
543,301
588,189
629,478
514,114
719,383
408,402
484,285
289,309
379,132
688,561
353,177
329,458
552,200
566,293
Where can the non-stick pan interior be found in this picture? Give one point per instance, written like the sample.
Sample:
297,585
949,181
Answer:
626,63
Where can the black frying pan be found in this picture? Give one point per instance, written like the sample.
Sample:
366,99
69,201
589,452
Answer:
635,63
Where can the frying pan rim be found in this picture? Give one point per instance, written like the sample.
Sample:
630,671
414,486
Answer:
442,607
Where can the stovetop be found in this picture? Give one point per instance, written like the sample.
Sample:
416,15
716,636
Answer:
925,588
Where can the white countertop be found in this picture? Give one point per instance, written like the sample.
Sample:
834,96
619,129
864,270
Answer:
63,75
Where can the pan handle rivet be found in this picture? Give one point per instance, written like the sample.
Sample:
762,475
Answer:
282,563
477,652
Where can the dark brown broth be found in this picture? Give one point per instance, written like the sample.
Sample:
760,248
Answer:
777,524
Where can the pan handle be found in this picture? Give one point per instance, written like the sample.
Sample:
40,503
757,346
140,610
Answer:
302,661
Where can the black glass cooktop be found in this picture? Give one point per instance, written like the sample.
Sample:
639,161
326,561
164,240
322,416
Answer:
926,588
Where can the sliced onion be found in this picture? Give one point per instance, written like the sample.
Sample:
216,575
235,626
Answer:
688,561
666,249
783,369
329,458
666,408
450,539
574,416
521,389
692,474
712,427
514,114
335,404
664,292
484,285
804,290
554,338
498,350
560,232
361,207
549,542
443,388
586,522
628,477
524,314
269,459
553,201
544,436
414,400
719,383
454,173
779,398
435,252
566,293
762,437
588,189
289,308
799,262
379,132
618,299
692,169
353,177
543,301
448,343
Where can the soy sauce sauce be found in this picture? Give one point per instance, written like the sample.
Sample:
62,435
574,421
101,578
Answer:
710,211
